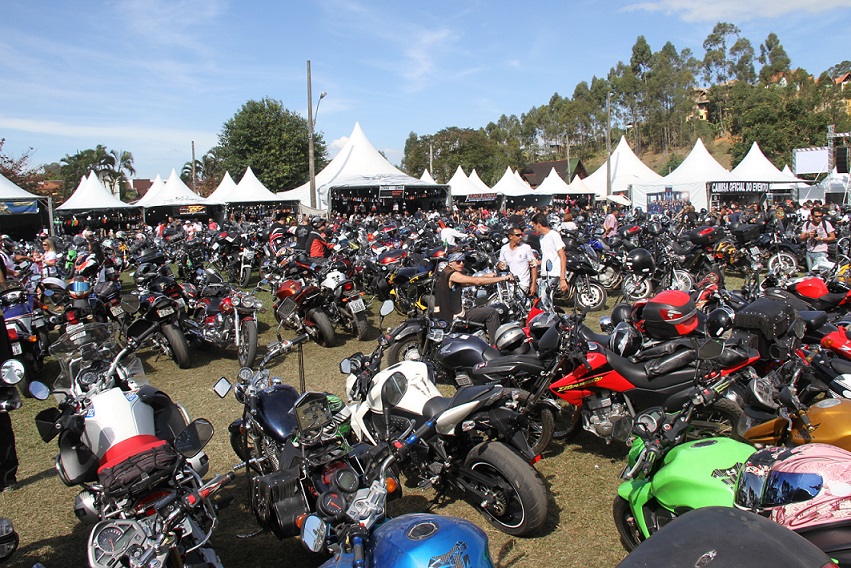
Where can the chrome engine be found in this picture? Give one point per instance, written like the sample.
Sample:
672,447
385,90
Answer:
602,415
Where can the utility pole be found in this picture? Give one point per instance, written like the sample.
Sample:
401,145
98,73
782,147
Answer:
310,140
567,145
194,189
430,157
608,144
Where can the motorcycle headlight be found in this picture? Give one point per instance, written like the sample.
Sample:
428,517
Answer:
249,301
236,301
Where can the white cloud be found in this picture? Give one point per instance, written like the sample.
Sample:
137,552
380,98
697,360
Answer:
735,10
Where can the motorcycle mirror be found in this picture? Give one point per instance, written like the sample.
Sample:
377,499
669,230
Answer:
549,266
712,349
798,328
222,387
48,292
386,308
12,371
346,367
194,437
313,533
8,540
39,390
130,303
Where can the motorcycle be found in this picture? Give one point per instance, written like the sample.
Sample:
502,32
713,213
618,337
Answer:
343,303
475,441
25,325
303,311
133,451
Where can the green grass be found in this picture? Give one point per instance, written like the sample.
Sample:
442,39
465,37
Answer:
582,476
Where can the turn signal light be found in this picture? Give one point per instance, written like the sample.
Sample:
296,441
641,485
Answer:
391,485
299,522
535,460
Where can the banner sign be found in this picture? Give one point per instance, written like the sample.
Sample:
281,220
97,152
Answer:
192,210
391,191
17,207
481,197
739,186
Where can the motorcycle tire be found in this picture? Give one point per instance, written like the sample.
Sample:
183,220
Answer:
361,326
244,277
323,330
178,345
540,424
720,419
590,295
783,263
523,512
407,349
681,280
636,287
247,351
631,537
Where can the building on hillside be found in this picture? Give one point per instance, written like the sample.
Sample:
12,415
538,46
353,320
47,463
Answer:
534,174
701,104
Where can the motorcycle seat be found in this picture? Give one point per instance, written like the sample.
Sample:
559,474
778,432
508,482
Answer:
463,395
637,375
840,366
589,334
814,319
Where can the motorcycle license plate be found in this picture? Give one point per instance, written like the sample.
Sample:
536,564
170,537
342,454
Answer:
356,305
181,302
16,348
165,312
116,310
215,246
755,251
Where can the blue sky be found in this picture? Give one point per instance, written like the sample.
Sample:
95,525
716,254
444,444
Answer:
150,76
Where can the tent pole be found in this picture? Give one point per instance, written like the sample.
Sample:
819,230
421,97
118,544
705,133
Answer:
51,229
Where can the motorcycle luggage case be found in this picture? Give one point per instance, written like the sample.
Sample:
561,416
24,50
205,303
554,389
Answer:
769,320
670,314
703,236
152,256
277,501
746,233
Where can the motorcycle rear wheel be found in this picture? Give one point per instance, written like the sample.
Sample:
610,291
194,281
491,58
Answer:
636,287
590,295
247,351
323,330
523,510
720,419
631,537
178,345
540,426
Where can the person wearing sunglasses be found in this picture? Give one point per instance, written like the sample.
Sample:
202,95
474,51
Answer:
520,260
817,232
447,295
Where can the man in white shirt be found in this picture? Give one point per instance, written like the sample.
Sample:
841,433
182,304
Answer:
449,235
552,249
519,258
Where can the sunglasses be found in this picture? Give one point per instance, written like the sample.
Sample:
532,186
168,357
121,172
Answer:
516,235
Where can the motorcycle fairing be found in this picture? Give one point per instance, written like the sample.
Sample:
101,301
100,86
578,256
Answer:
273,411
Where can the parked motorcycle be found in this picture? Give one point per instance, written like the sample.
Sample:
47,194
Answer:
343,302
26,326
303,311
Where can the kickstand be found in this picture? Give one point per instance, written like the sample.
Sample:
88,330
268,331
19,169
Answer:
258,532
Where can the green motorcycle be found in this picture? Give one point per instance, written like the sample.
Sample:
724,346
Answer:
665,478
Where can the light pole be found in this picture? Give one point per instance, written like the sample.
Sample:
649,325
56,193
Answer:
608,144
310,125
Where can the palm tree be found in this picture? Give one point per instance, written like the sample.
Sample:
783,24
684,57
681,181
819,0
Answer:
206,173
113,165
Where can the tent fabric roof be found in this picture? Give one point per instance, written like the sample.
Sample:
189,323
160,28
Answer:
511,185
756,167
427,177
699,166
226,187
474,177
10,190
175,192
155,188
626,169
578,187
358,164
461,186
553,184
251,190
91,195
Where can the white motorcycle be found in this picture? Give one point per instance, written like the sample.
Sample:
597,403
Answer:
133,451
473,442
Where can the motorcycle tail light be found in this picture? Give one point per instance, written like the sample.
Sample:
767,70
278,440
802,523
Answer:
226,306
13,333
348,286
535,460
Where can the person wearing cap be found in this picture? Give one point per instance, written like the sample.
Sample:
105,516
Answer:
447,295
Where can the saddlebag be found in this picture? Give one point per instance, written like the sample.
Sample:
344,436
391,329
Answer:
278,501
769,320
140,472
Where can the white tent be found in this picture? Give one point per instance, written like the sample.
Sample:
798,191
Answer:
427,177
578,187
686,183
510,185
474,177
10,191
175,193
553,185
251,190
152,192
16,200
91,195
461,186
358,165
756,167
626,170
226,188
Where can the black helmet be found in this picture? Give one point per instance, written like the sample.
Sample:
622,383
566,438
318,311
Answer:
144,274
719,321
625,340
640,261
622,312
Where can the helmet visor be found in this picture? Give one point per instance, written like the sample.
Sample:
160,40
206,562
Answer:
758,490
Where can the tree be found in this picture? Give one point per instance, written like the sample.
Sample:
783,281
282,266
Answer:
839,69
75,167
18,170
114,169
273,141
717,67
208,173
773,58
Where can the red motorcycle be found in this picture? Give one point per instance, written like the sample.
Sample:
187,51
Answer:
301,309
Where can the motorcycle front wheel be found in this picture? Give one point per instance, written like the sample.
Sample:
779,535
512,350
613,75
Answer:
628,530
178,345
407,349
540,425
783,263
323,329
720,419
590,295
636,287
247,343
244,276
517,503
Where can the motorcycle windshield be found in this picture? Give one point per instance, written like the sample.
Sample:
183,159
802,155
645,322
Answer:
79,348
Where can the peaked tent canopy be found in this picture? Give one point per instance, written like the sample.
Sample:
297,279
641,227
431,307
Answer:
474,177
578,187
359,168
553,185
10,191
461,186
510,185
152,192
225,189
251,190
756,167
626,170
91,195
175,192
427,177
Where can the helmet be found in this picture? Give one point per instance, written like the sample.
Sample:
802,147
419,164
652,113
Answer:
625,340
670,314
503,311
719,321
640,261
511,338
79,288
85,508
799,488
144,274
727,252
622,312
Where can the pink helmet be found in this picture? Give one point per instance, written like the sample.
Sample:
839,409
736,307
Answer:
799,488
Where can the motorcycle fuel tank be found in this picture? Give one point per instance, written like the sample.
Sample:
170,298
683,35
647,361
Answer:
115,416
462,351
273,411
